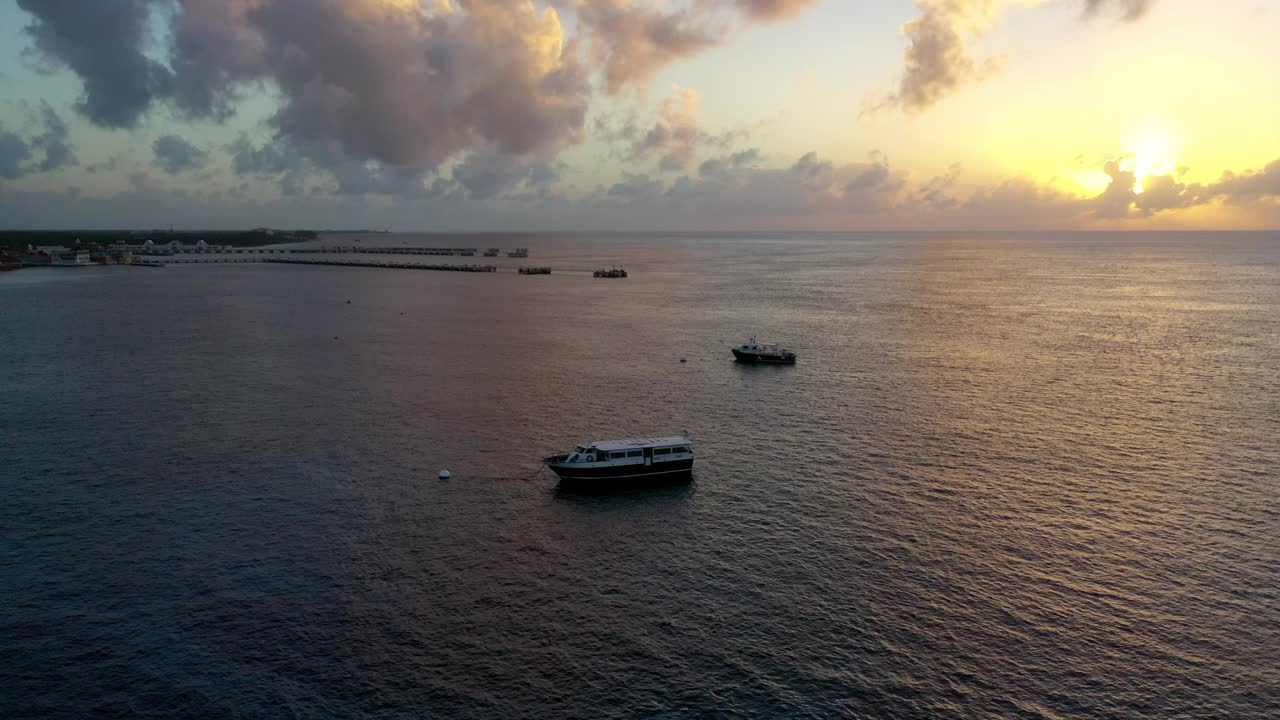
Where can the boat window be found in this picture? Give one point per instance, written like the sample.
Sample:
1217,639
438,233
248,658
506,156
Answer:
617,454
680,450
662,451
635,453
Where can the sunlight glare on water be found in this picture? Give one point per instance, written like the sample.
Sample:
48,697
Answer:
1011,476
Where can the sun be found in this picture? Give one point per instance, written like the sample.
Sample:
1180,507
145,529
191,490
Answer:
1150,151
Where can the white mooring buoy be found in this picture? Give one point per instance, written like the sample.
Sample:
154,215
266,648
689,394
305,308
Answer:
445,475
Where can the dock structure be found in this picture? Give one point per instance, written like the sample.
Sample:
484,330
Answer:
187,260
324,249
384,264
359,263
332,263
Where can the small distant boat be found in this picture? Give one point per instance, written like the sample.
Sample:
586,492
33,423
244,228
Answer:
492,252
615,272
754,352
602,461
519,253
534,271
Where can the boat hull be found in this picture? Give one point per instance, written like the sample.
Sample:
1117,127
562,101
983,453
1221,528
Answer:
598,474
745,357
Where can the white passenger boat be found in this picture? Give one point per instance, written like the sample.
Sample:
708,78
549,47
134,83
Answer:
603,461
754,352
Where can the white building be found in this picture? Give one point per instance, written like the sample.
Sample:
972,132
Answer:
70,258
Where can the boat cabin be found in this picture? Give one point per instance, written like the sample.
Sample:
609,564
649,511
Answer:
640,451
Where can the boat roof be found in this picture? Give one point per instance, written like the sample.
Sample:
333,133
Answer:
629,443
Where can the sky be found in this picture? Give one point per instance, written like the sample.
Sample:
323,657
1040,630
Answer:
771,115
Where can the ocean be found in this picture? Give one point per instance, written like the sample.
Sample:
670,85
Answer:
1023,475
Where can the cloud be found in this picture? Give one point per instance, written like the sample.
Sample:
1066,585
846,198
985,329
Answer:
486,174
934,193
358,80
736,192
102,43
269,159
1018,202
937,60
14,154
1128,196
734,185
637,187
391,81
1116,200
52,147
174,155
674,137
1130,9
1161,192
722,166
771,10
631,41
54,141
1249,185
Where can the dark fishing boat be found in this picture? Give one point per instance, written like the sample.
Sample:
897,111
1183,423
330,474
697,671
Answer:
604,461
754,352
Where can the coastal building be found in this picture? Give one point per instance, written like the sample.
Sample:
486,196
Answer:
142,247
173,247
70,258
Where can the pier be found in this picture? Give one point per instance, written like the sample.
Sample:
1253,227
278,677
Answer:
384,264
323,249
335,263
279,259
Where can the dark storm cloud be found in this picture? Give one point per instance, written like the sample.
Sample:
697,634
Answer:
102,43
174,155
54,141
43,152
270,159
14,154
